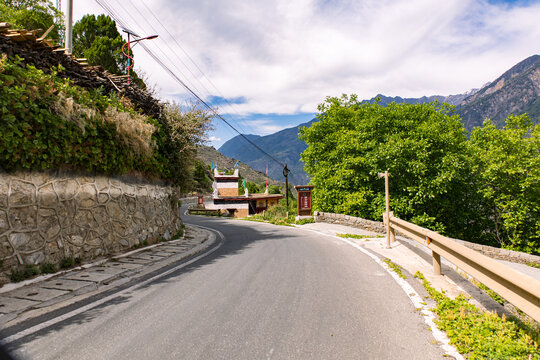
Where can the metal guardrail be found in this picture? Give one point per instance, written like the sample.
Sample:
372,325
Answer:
519,289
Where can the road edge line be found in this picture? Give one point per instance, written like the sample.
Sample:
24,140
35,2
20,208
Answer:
412,294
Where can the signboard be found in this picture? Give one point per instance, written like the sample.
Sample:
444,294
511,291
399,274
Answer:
200,200
304,200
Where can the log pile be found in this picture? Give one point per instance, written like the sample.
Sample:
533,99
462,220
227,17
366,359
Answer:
44,55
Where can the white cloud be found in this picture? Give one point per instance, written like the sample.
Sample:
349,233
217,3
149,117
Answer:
263,126
213,138
286,56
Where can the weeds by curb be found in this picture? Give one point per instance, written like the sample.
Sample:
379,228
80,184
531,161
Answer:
482,335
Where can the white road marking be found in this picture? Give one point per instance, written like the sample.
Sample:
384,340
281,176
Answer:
415,298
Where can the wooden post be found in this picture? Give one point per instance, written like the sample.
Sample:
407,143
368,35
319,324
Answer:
392,230
436,263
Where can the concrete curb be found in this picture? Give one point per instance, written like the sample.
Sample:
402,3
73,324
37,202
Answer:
20,302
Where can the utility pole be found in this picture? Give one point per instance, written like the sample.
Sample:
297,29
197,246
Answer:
69,27
286,174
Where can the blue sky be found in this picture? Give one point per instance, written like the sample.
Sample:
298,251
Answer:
275,61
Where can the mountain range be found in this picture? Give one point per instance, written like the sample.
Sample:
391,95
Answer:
517,91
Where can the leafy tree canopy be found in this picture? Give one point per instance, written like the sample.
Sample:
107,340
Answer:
33,14
423,146
98,40
507,164
486,189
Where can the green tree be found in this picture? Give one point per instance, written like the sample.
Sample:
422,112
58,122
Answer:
98,40
252,187
423,146
32,15
201,177
507,165
181,129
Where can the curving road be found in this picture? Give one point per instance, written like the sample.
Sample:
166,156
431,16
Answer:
268,292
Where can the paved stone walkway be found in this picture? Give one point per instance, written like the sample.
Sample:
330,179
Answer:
17,300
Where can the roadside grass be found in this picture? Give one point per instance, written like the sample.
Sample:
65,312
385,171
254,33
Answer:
305,221
482,335
395,268
277,214
533,264
27,272
356,236
179,233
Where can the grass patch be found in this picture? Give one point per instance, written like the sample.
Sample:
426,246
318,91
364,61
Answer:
179,233
256,218
305,221
68,262
356,236
27,272
48,268
482,335
533,264
394,267
277,214
281,222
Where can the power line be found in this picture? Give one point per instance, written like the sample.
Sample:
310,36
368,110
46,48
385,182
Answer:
191,60
189,57
173,63
183,84
155,44
110,9
175,77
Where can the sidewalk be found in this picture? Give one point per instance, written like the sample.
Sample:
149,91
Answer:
24,300
413,257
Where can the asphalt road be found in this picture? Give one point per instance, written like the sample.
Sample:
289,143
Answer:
268,292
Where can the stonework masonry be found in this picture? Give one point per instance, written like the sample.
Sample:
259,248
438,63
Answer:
357,222
45,218
379,227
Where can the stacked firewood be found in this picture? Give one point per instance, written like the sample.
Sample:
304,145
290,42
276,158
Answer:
44,55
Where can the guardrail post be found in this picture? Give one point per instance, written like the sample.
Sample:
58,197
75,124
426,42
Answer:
392,230
436,263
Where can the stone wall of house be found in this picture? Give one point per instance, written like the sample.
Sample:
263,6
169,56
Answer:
45,218
379,227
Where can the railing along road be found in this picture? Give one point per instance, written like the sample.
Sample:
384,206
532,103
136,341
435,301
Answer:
519,289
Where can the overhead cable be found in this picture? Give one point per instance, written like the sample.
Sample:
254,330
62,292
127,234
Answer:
111,12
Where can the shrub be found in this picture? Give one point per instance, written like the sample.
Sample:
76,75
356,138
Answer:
28,272
48,268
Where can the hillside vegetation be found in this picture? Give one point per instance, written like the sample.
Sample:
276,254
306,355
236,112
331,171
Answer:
485,189
49,123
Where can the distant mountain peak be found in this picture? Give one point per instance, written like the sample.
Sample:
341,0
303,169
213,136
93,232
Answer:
514,92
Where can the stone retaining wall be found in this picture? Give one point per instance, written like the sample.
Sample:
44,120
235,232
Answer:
379,227
342,219
45,218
